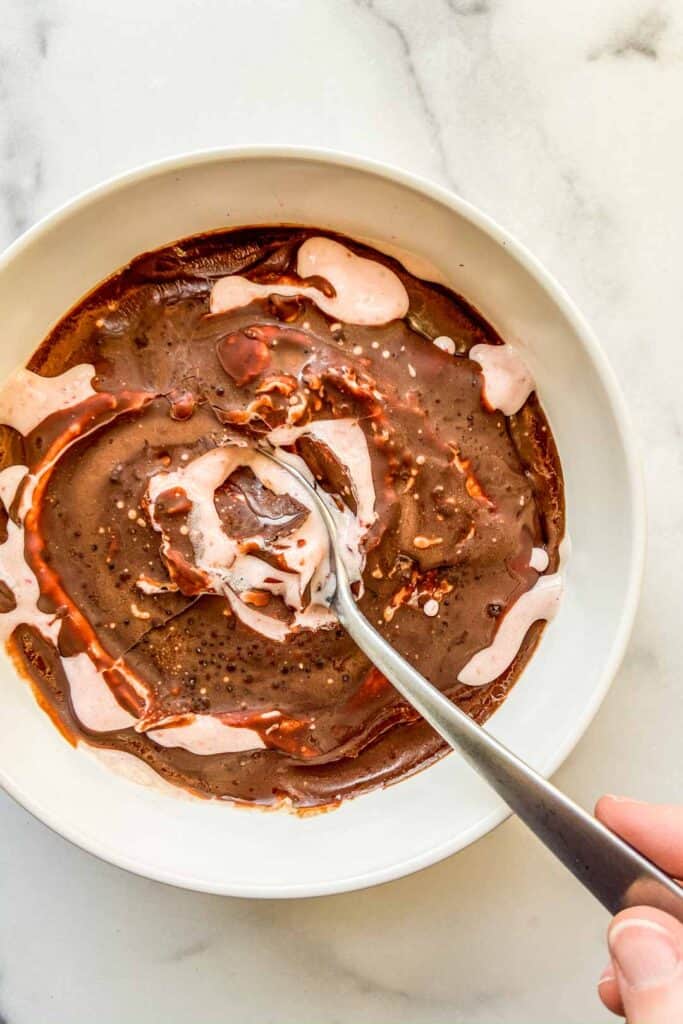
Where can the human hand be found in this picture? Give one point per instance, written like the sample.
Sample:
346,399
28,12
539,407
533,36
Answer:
644,979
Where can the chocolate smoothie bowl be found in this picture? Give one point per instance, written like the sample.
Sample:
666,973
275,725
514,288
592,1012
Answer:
170,665
165,588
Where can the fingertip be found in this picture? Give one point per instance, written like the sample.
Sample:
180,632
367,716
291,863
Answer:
646,947
644,978
610,803
608,990
654,829
603,805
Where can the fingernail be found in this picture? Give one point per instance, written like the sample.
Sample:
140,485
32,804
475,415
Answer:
644,952
607,975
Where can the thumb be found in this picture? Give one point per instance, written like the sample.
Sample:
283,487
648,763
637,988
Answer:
646,947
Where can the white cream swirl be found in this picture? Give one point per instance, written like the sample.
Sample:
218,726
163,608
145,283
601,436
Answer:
366,292
230,566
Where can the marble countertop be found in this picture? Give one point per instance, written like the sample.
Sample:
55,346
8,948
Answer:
561,120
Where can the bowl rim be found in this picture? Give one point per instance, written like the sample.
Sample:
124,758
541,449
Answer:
625,431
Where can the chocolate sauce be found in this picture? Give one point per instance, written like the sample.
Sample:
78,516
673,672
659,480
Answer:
462,496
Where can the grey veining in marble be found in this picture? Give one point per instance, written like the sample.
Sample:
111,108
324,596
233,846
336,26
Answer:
640,39
406,45
563,121
21,166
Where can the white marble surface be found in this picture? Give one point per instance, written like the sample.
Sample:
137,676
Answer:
563,120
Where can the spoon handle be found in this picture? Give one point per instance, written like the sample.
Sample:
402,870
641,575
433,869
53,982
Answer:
613,871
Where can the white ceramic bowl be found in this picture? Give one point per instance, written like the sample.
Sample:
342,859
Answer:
218,847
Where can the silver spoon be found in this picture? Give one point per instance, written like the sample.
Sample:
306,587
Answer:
613,871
